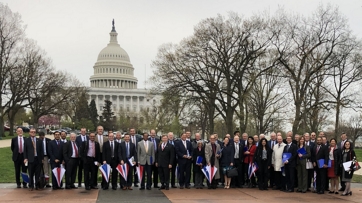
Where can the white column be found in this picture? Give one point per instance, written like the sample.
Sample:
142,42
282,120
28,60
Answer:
138,104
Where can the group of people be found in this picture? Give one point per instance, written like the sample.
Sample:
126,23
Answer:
258,162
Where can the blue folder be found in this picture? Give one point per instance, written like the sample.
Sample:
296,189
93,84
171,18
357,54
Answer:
245,149
25,177
199,160
286,156
302,151
321,163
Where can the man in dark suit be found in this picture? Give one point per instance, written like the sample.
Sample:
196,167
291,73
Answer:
311,145
172,141
184,154
238,159
83,137
55,149
17,147
46,166
91,155
155,141
33,155
321,152
164,161
126,151
134,139
71,156
290,164
110,156
100,138
273,141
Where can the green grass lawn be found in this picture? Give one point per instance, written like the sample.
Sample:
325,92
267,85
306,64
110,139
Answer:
359,154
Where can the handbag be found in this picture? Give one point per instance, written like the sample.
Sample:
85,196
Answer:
232,172
309,164
42,180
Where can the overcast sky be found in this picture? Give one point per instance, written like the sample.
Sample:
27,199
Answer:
74,32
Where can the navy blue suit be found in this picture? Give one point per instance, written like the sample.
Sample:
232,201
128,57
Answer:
184,164
79,141
290,166
55,151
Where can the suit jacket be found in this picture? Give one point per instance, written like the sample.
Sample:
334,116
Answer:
107,151
241,150
137,140
55,151
68,151
105,139
292,161
258,157
79,140
227,155
150,139
47,140
122,152
181,151
166,156
15,147
83,151
144,157
322,154
270,144
29,150
195,154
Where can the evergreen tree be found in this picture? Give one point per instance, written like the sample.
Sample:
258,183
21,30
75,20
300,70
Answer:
107,116
82,109
93,113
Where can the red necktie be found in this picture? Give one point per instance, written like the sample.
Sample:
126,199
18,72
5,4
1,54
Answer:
75,150
21,146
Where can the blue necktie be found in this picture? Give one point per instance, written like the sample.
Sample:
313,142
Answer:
127,150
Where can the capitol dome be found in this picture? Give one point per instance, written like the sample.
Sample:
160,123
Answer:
113,68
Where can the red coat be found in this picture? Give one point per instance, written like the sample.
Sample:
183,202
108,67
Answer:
250,157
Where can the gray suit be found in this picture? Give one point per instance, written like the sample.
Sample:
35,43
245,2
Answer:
144,159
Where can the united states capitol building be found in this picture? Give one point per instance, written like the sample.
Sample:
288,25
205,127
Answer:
113,79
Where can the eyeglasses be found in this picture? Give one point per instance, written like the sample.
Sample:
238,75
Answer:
32,131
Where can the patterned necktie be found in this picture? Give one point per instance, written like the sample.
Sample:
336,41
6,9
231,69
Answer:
75,149
112,149
34,146
20,146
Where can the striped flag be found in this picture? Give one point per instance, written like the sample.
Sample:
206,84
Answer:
106,171
58,173
253,167
209,172
123,170
139,169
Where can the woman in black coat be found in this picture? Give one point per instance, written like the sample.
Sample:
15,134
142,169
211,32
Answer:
199,151
263,158
227,160
348,154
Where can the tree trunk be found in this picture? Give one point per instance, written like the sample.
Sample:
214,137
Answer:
336,130
2,132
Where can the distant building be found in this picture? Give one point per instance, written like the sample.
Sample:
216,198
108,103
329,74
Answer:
114,80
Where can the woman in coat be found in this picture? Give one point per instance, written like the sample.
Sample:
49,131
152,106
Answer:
301,166
249,151
263,158
348,154
212,156
227,161
335,155
199,151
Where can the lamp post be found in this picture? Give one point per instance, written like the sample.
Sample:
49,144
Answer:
73,126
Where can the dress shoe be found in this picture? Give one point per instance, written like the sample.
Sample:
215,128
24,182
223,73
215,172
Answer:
130,188
188,187
342,189
114,188
94,187
308,190
105,188
67,187
73,187
209,187
48,186
173,186
142,188
181,187
19,186
167,188
350,193
320,192
156,186
331,192
124,188
31,189
148,188
25,186
303,191
135,185
80,185
87,188
336,193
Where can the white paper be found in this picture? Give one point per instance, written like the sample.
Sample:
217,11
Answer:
131,160
347,165
96,163
26,164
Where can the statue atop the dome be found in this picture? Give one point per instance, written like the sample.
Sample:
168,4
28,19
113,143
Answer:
113,28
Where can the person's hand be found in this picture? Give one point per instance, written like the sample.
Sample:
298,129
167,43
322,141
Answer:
268,167
208,164
56,160
247,152
184,156
134,163
189,157
231,164
169,166
122,162
156,164
325,166
63,162
300,155
217,155
314,164
286,162
104,162
25,161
